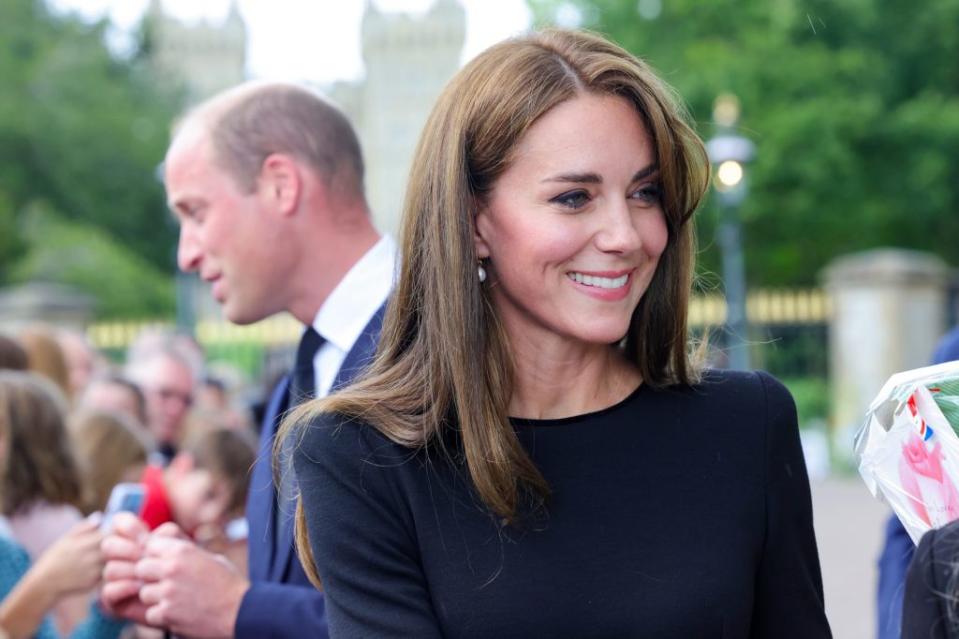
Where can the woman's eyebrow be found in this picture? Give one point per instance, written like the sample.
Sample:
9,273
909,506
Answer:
595,178
646,172
579,178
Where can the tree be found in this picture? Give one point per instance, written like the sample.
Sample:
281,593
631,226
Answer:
81,131
853,106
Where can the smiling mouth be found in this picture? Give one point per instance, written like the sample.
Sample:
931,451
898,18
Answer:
599,281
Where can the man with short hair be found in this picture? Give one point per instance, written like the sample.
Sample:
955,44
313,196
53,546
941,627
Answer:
266,181
167,382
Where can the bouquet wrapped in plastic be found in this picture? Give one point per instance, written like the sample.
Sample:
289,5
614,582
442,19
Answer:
908,447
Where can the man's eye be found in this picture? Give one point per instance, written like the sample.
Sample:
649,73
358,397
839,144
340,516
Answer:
572,200
648,194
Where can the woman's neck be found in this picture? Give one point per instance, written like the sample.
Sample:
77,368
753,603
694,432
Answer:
554,378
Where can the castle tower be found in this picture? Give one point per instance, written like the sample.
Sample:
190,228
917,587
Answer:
204,58
408,61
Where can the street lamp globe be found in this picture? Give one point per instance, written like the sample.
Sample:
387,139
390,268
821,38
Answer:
729,174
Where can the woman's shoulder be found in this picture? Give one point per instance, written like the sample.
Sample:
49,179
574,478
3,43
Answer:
42,523
718,388
337,440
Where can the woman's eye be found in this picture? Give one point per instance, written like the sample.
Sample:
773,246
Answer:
648,194
572,199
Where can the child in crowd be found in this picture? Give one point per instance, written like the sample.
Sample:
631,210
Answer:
110,448
205,484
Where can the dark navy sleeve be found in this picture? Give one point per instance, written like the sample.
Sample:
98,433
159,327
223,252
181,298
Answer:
361,533
789,595
280,611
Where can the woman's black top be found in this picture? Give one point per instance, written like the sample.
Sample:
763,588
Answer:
680,512
930,608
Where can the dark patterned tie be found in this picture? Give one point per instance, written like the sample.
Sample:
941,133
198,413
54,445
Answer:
302,388
303,380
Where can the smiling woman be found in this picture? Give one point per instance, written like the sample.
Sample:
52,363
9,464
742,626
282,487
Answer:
533,453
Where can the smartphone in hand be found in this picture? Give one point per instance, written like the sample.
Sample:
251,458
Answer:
125,497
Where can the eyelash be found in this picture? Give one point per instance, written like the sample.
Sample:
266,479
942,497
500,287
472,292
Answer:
564,199
648,194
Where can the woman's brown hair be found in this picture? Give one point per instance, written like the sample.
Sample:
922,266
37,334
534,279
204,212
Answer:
40,463
108,447
443,359
45,356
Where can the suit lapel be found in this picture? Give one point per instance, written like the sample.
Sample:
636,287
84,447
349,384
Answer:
359,356
262,496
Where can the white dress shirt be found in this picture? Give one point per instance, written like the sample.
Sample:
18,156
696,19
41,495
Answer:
350,307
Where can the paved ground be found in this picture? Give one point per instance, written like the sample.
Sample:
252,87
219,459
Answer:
849,526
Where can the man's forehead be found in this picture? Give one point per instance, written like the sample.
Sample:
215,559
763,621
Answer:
188,152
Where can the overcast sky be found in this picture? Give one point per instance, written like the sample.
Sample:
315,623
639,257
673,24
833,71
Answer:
311,40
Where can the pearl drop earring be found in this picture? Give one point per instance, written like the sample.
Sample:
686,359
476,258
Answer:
481,272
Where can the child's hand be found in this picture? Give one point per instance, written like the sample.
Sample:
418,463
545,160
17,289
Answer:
74,563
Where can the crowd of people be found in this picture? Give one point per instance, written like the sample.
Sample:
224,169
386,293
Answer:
73,427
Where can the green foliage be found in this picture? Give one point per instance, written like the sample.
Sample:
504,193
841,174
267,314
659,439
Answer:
812,399
85,257
853,106
80,130
11,244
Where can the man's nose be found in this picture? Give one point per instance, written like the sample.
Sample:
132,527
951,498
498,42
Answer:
188,254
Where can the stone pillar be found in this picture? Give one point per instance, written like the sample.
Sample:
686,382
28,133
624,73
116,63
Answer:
53,304
889,309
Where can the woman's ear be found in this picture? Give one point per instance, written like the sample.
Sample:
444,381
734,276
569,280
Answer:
481,233
280,183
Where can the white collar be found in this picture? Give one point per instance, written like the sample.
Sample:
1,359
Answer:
361,292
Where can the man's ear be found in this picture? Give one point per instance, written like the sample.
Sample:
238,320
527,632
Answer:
280,183
481,232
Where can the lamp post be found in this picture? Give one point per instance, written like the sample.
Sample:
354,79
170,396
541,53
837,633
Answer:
729,152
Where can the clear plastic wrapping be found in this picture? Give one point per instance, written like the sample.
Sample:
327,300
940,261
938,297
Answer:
908,448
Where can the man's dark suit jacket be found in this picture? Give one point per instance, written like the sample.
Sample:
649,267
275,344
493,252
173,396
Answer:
281,603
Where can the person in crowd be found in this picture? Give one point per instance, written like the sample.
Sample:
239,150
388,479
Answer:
112,392
205,483
46,357
930,603
110,448
12,354
83,360
41,486
266,181
214,404
40,489
898,549
167,381
533,453
913,575
68,568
